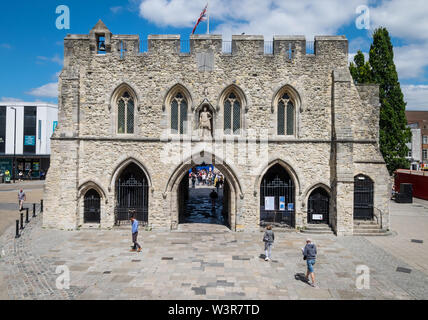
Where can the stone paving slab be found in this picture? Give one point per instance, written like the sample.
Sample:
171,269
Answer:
186,265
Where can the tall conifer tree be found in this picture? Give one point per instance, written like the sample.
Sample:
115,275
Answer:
380,69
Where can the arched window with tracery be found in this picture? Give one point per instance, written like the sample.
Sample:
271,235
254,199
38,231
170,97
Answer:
232,114
178,113
125,113
285,115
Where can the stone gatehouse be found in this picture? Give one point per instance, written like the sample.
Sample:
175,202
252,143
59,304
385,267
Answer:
296,140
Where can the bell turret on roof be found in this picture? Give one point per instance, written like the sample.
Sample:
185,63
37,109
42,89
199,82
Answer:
100,27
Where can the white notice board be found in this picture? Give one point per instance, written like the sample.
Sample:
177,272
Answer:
269,203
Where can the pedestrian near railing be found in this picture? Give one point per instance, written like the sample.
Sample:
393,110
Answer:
20,224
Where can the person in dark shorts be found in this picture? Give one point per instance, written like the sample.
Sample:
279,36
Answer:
134,223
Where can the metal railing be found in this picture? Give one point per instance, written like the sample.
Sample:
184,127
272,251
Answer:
310,48
268,47
144,45
227,47
185,46
21,224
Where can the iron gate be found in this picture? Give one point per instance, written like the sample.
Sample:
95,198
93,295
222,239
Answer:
318,206
363,198
132,195
92,210
282,193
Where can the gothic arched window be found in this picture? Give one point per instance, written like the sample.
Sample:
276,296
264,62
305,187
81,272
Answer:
125,113
178,114
232,114
285,113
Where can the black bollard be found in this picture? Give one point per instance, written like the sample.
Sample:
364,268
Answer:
41,205
22,221
34,210
26,216
17,229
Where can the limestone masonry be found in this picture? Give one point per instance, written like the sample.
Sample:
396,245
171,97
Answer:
129,132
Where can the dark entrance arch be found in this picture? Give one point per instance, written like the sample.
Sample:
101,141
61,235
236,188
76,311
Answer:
132,194
277,198
92,211
363,197
318,206
194,203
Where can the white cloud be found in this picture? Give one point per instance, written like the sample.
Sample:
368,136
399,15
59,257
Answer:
268,17
56,59
416,97
116,9
49,90
406,19
411,60
7,99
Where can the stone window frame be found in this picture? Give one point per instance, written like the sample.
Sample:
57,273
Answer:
243,104
295,100
117,95
170,96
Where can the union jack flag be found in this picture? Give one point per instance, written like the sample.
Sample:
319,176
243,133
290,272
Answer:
201,17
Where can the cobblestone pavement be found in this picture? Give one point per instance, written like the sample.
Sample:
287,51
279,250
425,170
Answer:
409,222
213,263
9,200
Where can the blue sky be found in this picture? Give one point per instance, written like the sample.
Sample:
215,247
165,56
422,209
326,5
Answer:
31,47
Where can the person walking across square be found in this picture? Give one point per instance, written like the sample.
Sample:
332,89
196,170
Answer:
21,198
268,239
310,255
136,246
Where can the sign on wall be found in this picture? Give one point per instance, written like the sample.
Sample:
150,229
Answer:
29,140
269,203
281,203
290,207
55,124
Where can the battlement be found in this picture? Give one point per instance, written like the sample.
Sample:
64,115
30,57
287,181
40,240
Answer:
100,41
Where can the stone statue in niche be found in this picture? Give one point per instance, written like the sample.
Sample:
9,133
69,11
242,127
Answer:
205,123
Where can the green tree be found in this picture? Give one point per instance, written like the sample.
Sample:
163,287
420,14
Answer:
380,69
360,70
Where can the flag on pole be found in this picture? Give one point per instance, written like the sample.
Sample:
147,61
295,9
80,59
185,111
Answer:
201,18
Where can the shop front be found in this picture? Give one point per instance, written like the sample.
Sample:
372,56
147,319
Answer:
32,168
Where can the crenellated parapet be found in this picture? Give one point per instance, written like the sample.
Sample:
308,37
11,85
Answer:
100,41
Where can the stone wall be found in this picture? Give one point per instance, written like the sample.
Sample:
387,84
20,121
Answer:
336,123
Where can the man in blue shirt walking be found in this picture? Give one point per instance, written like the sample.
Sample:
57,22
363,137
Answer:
134,223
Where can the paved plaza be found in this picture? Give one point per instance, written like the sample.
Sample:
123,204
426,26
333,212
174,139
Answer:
207,261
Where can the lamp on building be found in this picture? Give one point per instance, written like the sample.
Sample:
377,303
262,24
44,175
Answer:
14,147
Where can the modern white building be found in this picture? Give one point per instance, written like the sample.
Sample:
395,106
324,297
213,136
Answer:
25,132
415,148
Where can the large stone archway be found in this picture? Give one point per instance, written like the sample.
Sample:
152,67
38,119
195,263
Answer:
234,192
280,182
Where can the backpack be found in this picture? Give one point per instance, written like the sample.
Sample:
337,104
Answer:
266,237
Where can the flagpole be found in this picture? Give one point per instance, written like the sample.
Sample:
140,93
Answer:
208,14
